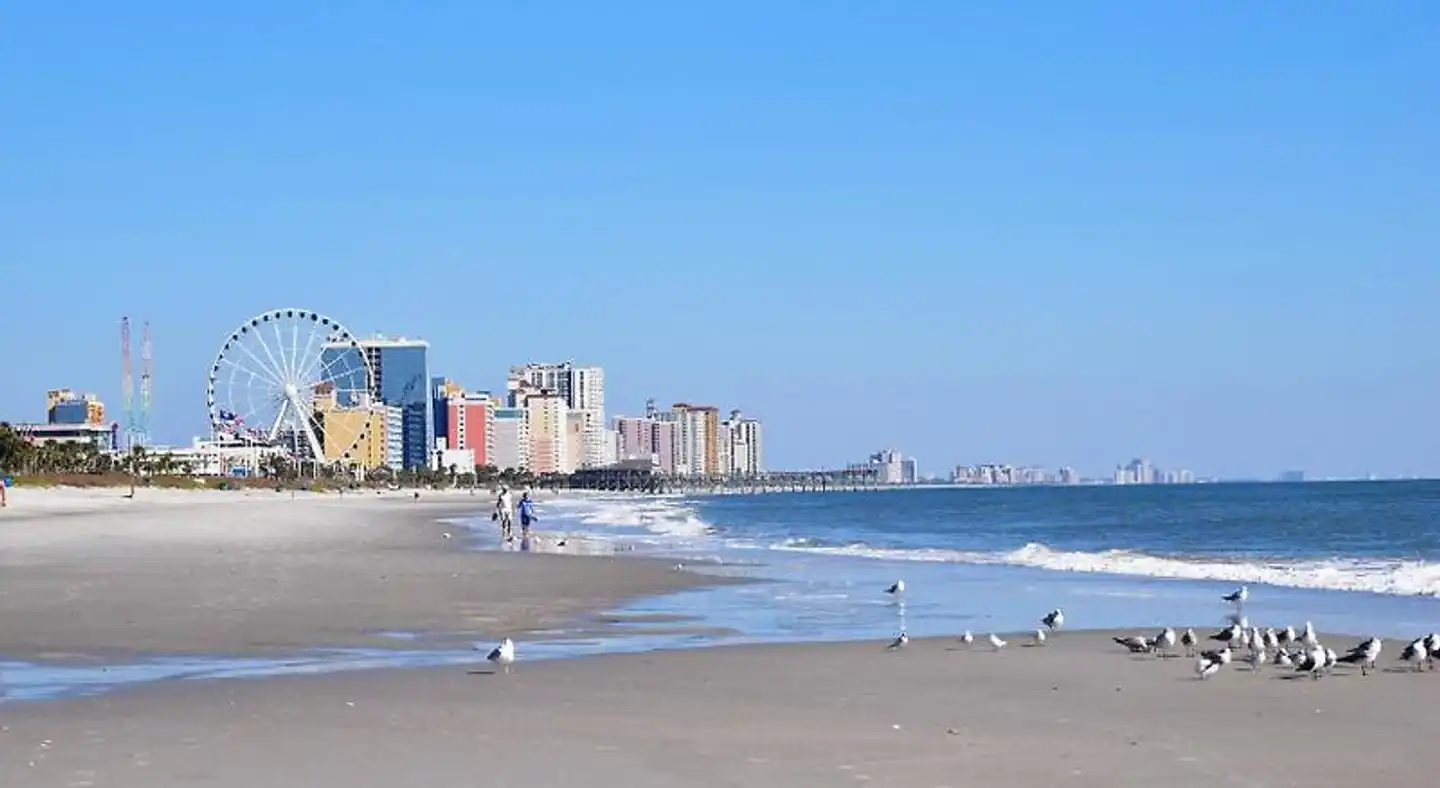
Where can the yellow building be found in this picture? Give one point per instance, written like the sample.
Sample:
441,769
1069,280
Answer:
339,427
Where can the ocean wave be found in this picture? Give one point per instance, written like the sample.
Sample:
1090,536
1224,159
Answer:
659,515
1381,576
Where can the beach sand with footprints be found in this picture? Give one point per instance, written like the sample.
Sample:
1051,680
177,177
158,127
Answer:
193,576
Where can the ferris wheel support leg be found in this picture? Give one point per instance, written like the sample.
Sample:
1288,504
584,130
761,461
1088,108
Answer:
279,420
319,451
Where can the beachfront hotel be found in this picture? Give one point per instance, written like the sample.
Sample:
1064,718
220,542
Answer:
582,389
690,440
401,376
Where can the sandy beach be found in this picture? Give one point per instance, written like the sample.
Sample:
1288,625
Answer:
88,573
86,577
1077,712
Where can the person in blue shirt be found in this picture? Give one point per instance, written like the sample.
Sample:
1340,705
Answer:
527,514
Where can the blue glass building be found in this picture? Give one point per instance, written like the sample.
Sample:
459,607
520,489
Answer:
402,376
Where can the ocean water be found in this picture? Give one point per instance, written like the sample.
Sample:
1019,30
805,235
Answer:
1352,557
1356,558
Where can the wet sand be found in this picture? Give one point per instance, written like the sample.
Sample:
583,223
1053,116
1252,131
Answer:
1079,711
91,575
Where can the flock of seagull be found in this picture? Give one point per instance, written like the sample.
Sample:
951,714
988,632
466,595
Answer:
1285,648
1300,651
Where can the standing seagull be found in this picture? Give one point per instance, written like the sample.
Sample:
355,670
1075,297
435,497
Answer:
503,654
1364,655
1039,637
967,638
1255,659
1228,635
1164,642
897,588
1417,652
1238,596
1054,619
1313,662
996,642
898,643
1189,641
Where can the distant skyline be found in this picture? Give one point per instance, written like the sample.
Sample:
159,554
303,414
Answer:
1039,233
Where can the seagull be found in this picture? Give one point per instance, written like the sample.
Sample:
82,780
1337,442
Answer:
1287,636
898,643
1364,655
1282,658
1206,667
1313,662
1189,641
1308,636
1330,659
1238,596
1165,641
996,641
1244,639
1054,619
1039,637
1272,640
1255,659
1223,656
967,638
1432,645
503,654
897,588
1138,644
445,535
1228,634
1416,652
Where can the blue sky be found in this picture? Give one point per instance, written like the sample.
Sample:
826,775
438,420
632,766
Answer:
1043,232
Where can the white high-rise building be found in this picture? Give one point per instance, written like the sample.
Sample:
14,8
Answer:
743,445
583,391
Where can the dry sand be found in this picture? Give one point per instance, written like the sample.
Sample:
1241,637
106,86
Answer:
90,573
1078,712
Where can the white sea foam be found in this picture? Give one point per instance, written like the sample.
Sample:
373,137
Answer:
1403,577
672,521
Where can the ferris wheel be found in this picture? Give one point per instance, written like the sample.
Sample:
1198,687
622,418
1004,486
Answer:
281,375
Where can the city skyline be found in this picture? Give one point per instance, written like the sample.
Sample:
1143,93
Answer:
977,240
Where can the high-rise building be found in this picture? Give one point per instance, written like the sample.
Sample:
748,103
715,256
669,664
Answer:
650,437
468,422
575,439
697,433
583,391
547,420
743,445
511,439
401,378
64,406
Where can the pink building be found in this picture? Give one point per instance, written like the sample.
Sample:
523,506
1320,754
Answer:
469,424
640,438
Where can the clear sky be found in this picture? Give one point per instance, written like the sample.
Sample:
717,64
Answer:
1038,232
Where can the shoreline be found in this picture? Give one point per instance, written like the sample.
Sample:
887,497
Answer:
1074,711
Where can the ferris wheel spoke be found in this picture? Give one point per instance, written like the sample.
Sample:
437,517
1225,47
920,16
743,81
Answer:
324,375
311,374
259,371
274,372
307,358
289,374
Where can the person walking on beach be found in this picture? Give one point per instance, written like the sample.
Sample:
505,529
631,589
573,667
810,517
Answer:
527,515
504,514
